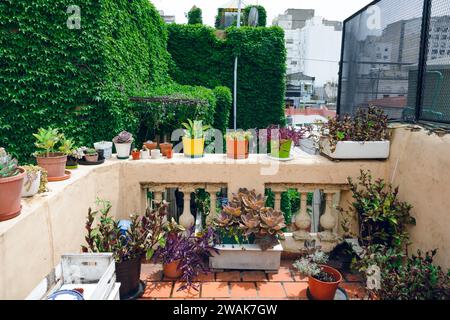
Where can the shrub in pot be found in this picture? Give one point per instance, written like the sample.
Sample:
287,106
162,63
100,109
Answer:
194,138
106,146
185,256
123,144
91,155
11,185
143,236
34,182
49,157
364,136
282,140
246,219
238,144
323,280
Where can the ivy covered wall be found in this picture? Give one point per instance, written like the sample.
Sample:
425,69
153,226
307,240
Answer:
201,58
80,79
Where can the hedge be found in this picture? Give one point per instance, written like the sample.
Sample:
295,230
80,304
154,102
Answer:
80,80
200,58
262,15
195,16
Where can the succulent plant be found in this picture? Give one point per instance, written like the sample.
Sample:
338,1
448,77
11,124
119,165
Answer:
247,212
91,152
47,141
195,129
272,221
311,266
8,165
124,137
238,135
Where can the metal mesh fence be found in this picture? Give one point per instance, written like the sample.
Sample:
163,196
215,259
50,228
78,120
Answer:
382,63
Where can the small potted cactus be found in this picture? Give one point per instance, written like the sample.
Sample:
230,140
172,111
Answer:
136,154
91,155
238,144
123,144
11,185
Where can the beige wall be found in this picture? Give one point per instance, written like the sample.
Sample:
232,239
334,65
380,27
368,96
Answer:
420,166
53,224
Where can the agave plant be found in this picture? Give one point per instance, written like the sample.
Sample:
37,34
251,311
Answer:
8,165
195,129
123,137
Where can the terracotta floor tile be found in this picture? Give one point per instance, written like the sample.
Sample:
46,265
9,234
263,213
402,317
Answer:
286,263
270,290
158,290
189,293
254,276
215,290
298,277
296,290
354,290
283,275
243,290
228,276
151,272
208,277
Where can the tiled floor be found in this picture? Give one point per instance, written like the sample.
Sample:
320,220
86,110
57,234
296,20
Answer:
235,285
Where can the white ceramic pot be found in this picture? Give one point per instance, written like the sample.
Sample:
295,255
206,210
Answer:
123,150
156,154
106,146
145,154
31,184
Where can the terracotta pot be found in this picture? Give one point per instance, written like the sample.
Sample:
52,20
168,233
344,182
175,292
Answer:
91,158
10,195
136,155
151,146
237,149
320,290
171,270
169,154
165,147
55,164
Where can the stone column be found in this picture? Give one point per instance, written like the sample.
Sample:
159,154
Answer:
187,220
277,201
303,220
328,220
212,190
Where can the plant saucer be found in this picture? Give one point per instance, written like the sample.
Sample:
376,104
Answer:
63,178
280,159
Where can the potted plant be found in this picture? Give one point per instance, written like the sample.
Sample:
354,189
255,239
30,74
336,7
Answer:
68,147
249,233
151,145
54,162
106,146
91,155
74,157
141,237
34,182
323,280
238,144
194,138
11,184
165,148
364,136
136,154
184,257
123,143
282,140
145,153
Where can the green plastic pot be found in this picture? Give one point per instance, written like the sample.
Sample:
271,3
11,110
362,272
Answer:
281,149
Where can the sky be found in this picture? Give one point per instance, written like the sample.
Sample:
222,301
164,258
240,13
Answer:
329,9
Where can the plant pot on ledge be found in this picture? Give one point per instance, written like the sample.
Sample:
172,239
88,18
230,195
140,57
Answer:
54,164
123,144
281,149
238,144
321,290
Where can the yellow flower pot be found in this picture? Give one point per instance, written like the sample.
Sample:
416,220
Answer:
193,148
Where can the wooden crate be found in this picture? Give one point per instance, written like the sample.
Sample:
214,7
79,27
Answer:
95,273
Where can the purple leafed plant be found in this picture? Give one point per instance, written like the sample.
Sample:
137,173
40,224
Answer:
193,251
289,133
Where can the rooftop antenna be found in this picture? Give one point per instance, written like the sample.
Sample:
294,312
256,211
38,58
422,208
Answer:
236,70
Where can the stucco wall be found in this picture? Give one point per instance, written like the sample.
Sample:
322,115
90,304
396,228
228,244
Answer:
420,166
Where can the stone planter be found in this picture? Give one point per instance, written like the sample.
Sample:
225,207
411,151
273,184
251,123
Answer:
246,257
351,150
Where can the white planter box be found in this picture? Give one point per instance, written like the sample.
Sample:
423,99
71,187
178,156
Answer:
246,257
348,150
95,273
